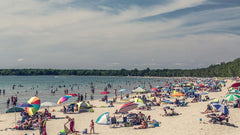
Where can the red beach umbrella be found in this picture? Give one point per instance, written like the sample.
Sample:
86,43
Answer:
105,92
127,107
72,94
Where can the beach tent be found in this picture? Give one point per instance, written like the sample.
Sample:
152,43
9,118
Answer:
139,90
138,100
84,107
103,119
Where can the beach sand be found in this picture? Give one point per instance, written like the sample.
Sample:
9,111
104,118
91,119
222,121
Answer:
187,123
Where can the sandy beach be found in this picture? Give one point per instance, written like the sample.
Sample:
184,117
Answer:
185,124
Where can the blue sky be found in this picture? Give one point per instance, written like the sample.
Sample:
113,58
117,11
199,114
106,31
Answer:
115,34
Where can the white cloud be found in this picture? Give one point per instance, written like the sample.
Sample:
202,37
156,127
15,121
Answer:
85,38
20,60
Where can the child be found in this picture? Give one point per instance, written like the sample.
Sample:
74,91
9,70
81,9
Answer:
92,127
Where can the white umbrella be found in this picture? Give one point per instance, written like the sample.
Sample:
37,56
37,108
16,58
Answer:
48,104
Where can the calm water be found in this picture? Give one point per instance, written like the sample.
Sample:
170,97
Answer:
79,84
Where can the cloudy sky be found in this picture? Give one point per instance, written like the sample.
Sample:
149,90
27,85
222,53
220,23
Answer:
115,34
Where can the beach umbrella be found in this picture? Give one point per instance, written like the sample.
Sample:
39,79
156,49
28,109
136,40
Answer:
139,90
237,84
24,105
63,99
203,93
231,88
166,89
122,90
14,109
221,108
177,85
127,107
167,101
234,91
232,97
105,92
177,88
36,103
72,94
154,90
177,94
191,90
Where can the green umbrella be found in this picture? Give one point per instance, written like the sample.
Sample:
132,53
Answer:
14,109
232,97
233,91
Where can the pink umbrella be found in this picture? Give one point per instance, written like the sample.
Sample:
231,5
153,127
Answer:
63,99
72,94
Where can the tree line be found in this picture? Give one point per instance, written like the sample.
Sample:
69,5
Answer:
228,69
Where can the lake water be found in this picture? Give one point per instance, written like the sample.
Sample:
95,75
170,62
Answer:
79,84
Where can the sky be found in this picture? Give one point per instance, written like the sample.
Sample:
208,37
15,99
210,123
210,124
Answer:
116,34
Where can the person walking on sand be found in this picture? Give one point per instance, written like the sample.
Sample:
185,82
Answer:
92,127
42,126
71,120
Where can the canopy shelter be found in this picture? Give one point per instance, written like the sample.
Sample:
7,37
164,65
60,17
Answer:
139,90
84,107
103,119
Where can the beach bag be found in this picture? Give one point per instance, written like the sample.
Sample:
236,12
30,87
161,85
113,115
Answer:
84,131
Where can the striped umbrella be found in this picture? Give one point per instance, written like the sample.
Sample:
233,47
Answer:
232,97
36,103
221,108
231,88
127,107
24,105
63,99
234,91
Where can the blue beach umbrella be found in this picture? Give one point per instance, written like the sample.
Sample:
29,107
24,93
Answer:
221,108
192,90
167,101
24,105
166,89
122,90
203,93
